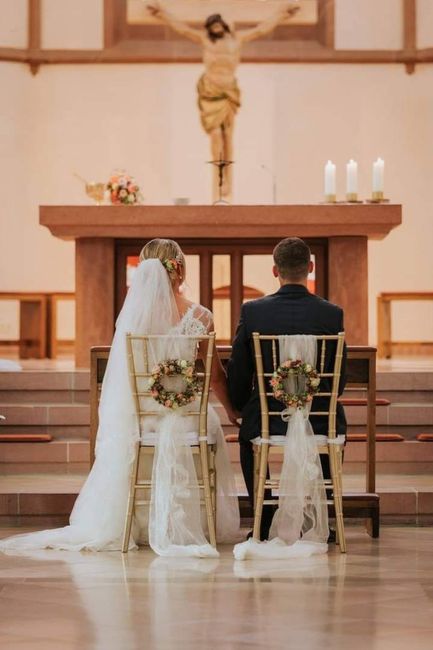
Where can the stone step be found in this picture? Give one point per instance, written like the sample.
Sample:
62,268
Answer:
406,432
404,381
406,414
67,396
404,396
78,414
56,451
47,499
45,380
41,414
395,457
61,432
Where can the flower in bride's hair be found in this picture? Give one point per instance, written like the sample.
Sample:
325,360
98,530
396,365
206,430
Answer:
171,264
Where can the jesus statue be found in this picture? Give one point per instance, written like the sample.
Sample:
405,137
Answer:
218,91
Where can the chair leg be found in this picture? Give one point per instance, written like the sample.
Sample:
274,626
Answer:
131,500
213,481
335,466
256,456
207,493
260,496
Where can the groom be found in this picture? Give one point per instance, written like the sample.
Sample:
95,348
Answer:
291,310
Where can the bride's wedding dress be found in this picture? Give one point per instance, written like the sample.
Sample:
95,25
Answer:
174,522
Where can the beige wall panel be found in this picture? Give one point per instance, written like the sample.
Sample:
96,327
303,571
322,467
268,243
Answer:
368,24
13,23
424,23
72,25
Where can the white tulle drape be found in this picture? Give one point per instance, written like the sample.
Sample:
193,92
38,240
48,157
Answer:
97,519
176,522
300,525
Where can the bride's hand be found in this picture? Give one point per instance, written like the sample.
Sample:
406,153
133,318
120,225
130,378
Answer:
233,416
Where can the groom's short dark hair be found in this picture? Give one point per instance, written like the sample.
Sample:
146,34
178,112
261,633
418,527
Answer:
292,258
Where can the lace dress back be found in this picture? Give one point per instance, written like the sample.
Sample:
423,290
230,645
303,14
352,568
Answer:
196,321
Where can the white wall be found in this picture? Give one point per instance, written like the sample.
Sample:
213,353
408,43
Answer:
13,23
90,119
368,24
424,23
72,25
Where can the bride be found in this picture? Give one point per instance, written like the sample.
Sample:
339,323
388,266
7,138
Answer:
155,304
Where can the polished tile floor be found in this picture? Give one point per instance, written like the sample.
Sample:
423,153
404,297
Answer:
379,596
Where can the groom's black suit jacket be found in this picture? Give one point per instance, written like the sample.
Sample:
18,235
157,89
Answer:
292,310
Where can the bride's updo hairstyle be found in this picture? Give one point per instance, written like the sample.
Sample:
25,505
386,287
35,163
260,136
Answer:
169,253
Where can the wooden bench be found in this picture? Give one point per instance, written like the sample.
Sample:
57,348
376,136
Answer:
385,343
33,323
361,376
38,323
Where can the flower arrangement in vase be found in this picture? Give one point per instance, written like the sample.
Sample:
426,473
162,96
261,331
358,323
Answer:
123,189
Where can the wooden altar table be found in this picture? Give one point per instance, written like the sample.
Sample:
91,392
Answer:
105,235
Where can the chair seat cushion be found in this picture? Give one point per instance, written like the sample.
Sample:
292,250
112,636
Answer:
425,437
380,437
190,438
279,441
25,437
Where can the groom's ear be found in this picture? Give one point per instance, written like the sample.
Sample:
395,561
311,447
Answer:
310,266
275,271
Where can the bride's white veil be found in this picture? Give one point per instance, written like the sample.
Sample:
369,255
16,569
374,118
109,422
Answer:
97,518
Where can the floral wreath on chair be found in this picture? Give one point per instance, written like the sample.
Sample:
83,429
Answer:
295,367
171,368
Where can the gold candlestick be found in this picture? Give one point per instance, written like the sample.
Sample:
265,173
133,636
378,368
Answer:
330,198
378,197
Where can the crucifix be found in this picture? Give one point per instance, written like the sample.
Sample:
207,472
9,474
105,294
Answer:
218,92
220,165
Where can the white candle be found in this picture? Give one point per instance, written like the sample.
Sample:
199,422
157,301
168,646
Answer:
330,184
352,177
378,175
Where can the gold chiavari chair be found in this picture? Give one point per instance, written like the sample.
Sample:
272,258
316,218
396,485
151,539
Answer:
203,450
330,445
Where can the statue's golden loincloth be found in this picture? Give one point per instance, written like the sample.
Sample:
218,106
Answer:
217,105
